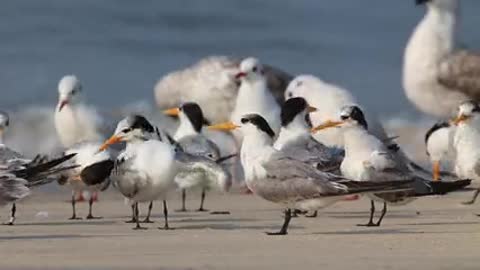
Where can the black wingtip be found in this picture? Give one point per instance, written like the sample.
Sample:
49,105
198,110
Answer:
97,173
443,187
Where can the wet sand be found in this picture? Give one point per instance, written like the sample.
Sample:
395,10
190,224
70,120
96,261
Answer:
442,235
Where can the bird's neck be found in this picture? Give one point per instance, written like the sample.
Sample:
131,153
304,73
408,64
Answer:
253,145
294,132
358,140
184,129
252,92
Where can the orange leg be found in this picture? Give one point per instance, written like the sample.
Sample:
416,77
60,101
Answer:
436,171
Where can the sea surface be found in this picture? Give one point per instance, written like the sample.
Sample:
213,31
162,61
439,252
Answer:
120,48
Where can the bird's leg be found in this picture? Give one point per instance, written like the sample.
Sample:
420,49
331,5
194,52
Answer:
147,219
165,216
474,198
184,197
436,171
137,218
90,204
202,200
12,215
384,211
314,215
74,215
133,215
372,212
283,230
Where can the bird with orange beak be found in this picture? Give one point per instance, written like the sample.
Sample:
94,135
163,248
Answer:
276,177
191,138
466,142
369,159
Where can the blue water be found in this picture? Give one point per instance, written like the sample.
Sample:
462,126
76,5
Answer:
119,49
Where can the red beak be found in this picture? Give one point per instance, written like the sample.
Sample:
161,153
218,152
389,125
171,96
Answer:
63,103
240,75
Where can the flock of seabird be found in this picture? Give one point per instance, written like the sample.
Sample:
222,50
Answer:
300,142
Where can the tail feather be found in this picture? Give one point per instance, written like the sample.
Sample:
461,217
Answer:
225,158
444,187
377,187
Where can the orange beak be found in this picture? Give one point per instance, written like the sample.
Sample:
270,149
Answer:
227,126
172,112
113,140
311,109
461,118
327,124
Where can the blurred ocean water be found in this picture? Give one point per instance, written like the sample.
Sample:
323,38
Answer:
120,48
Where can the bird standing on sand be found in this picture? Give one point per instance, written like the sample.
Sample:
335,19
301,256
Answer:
19,174
466,143
275,177
190,138
368,159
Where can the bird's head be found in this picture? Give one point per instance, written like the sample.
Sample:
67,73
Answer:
250,125
130,129
466,111
191,113
69,91
296,111
250,70
350,116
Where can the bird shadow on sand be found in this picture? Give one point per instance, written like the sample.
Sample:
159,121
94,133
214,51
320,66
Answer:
442,223
229,227
69,223
202,220
49,236
383,232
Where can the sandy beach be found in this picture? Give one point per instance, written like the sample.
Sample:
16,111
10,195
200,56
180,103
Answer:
431,233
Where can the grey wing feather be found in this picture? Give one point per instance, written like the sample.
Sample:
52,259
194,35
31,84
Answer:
461,71
12,188
200,146
316,154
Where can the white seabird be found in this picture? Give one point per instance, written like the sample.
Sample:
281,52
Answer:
328,99
81,129
147,168
466,143
368,159
19,174
438,142
275,177
437,74
192,140
211,83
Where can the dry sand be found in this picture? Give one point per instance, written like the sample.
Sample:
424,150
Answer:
444,235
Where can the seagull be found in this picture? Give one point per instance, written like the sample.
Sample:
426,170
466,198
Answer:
369,159
438,145
437,74
328,99
147,168
466,141
19,174
254,96
296,141
275,177
211,83
191,139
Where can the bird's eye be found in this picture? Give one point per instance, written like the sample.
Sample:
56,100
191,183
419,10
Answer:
344,117
126,130
254,69
244,120
74,92
290,94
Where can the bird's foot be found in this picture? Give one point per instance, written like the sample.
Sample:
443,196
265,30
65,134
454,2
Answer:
131,221
201,209
370,224
277,233
166,228
139,228
147,220
9,223
468,202
74,218
220,213
92,217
